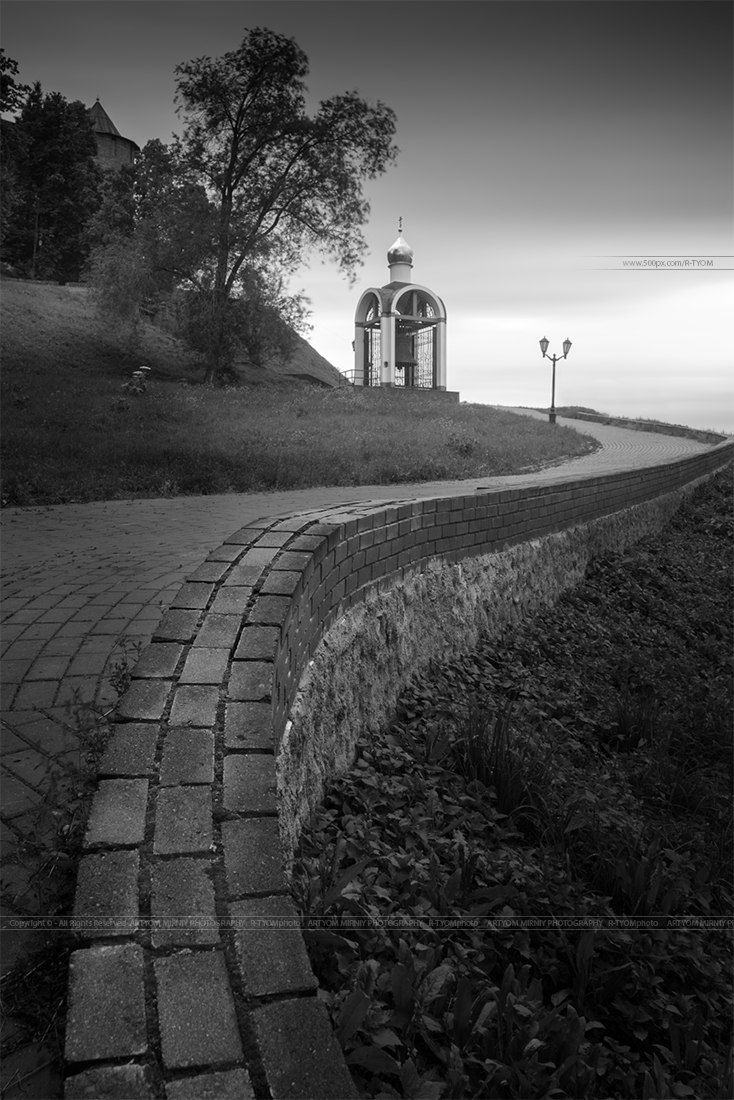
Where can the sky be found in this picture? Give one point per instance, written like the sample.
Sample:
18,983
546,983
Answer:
543,143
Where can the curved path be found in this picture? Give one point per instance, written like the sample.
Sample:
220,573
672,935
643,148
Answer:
85,585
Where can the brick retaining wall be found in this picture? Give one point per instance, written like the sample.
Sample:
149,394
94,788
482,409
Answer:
185,817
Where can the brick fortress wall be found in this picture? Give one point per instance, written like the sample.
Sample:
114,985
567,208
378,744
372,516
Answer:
189,817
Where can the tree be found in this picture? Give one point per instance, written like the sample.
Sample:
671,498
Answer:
12,95
254,182
57,182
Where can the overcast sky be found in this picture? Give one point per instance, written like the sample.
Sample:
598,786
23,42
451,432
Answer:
535,137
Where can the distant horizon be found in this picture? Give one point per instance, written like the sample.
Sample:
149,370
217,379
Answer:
536,140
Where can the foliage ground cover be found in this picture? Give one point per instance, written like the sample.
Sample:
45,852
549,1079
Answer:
71,433
579,767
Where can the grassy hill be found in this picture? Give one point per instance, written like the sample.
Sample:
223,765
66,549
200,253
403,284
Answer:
56,327
70,431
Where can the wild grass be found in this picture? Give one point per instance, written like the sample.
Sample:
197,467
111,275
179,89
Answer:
70,432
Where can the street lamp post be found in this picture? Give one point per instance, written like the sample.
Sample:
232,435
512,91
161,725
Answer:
554,359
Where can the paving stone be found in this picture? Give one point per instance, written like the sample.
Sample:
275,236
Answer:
47,735
281,582
225,553
313,1066
293,559
24,650
183,821
76,690
98,647
188,757
193,596
159,659
107,886
195,1011
114,627
232,1084
250,784
295,522
271,959
13,671
251,680
195,705
106,695
232,601
36,695
130,750
47,668
16,797
89,664
60,646
211,571
12,631
258,643
270,610
307,542
39,629
117,816
144,699
245,535
205,666
70,630
106,1008
28,766
177,626
253,856
181,888
248,726
218,631
57,615
129,1082
7,693
273,538
259,555
243,575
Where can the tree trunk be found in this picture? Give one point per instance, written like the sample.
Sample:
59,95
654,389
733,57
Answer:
217,336
35,238
220,294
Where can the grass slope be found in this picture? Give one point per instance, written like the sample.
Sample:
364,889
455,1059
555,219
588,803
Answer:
70,432
579,768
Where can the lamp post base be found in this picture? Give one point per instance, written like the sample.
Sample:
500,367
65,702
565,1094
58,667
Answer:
551,417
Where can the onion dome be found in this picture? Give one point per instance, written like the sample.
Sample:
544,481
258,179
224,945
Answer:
400,252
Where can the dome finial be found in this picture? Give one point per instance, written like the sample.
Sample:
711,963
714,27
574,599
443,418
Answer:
400,255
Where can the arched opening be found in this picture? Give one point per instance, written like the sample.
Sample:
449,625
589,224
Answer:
368,340
418,313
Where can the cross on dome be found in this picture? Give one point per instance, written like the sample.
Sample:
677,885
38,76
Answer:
400,251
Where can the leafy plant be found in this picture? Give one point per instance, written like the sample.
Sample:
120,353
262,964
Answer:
504,788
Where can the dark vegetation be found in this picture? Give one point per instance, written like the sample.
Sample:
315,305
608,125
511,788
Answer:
580,767
51,183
